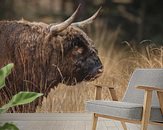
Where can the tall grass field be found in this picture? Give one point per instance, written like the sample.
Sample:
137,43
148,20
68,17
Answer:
119,63
119,59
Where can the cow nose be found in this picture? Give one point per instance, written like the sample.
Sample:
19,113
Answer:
100,70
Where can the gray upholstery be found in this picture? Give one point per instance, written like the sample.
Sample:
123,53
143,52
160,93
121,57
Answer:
125,110
143,77
132,103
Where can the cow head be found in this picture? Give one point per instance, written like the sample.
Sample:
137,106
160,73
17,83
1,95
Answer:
77,57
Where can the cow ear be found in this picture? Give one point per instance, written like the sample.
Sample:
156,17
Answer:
62,26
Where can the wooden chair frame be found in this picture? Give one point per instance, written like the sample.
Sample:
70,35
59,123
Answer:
146,107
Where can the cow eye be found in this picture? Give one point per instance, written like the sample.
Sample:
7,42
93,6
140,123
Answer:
77,50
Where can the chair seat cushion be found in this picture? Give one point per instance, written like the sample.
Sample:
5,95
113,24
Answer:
131,111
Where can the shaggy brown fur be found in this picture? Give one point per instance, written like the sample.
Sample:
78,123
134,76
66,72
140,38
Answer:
43,59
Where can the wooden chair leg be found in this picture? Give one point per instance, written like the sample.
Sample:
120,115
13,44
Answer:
94,121
146,110
160,98
124,125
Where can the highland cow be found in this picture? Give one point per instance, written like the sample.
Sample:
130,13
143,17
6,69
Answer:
45,55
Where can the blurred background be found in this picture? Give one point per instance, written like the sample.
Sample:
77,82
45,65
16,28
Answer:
127,33
137,19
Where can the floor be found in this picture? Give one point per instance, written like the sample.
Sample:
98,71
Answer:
58,121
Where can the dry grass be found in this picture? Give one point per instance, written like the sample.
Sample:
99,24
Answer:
118,63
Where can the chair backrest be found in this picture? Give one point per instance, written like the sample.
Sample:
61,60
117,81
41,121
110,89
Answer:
143,77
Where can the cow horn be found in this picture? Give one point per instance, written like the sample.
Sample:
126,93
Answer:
60,27
87,21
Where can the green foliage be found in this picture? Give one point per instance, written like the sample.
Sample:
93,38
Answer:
2,110
8,126
24,98
4,72
19,99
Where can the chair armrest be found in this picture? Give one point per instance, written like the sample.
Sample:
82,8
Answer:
150,88
159,93
103,86
98,92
